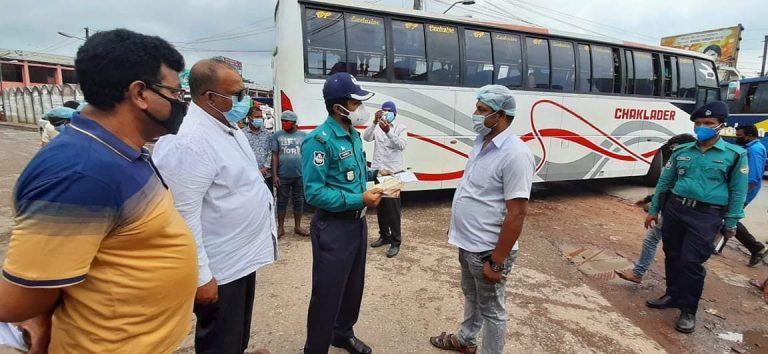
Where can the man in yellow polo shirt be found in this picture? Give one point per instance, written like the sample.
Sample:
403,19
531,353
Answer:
97,245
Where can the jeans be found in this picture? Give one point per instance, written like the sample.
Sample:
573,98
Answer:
484,303
650,243
290,188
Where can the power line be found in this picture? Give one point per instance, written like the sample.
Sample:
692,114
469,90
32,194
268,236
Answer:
182,48
223,33
558,20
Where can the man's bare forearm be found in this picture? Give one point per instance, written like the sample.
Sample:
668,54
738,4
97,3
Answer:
510,229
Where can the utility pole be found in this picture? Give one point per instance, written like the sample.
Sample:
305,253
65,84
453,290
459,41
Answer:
87,33
418,5
765,51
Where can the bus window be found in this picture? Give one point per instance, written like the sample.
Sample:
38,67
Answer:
563,66
326,49
508,57
629,64
687,78
705,74
669,76
442,55
602,69
538,62
478,68
585,68
366,50
760,103
643,74
656,74
408,48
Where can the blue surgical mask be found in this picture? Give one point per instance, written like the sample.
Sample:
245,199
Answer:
239,108
258,122
478,124
390,116
705,133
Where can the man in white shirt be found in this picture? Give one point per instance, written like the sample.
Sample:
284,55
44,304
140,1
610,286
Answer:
488,211
390,141
208,166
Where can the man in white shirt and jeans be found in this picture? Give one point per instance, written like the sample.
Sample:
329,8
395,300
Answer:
488,211
390,138
208,166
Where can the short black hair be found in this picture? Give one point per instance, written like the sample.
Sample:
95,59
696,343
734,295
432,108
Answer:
71,104
110,61
749,130
334,101
681,139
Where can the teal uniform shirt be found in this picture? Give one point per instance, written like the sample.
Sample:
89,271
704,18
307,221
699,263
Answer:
334,166
718,176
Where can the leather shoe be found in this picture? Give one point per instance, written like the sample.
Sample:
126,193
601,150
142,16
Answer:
686,323
664,302
353,345
758,256
378,243
393,251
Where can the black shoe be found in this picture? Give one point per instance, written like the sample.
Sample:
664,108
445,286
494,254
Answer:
353,345
664,302
757,257
393,251
378,243
686,323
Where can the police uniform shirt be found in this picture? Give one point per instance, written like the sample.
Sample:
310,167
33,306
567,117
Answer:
334,167
718,176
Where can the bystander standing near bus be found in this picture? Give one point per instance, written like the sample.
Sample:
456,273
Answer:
747,136
390,139
286,174
260,140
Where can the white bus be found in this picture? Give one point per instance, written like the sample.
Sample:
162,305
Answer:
587,107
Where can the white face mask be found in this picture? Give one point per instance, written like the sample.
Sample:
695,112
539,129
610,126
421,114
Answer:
358,117
478,124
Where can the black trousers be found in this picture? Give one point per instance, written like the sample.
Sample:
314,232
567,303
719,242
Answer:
268,181
388,214
746,239
338,277
224,327
689,236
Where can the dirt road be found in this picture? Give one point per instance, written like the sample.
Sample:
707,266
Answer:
553,306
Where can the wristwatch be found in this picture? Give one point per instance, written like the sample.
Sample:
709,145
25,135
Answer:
495,267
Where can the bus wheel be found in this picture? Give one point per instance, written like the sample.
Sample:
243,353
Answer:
654,172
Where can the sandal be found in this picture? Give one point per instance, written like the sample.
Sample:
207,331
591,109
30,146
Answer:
451,342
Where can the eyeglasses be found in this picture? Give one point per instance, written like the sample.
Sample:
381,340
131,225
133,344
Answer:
177,93
240,95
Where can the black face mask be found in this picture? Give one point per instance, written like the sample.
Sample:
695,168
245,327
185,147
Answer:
174,120
741,141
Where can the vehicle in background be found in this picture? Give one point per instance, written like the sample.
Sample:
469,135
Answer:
748,104
587,107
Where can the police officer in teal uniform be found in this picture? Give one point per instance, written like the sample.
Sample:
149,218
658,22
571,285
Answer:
705,184
335,176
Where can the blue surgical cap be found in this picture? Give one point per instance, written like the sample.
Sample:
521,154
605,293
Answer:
498,97
61,113
288,115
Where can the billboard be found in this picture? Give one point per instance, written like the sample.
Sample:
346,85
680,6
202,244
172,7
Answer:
721,44
238,65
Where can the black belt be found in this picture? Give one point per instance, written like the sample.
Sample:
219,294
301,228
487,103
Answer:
344,215
691,203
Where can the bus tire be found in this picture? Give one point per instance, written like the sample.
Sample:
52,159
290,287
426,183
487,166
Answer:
654,172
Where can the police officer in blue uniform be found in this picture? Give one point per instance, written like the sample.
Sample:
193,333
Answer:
705,184
335,176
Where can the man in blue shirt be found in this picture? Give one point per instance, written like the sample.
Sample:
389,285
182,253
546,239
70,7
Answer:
704,183
746,136
286,176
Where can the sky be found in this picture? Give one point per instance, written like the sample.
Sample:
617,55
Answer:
244,29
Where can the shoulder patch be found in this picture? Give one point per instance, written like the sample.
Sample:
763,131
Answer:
319,158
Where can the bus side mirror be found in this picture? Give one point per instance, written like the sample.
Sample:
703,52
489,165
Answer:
734,91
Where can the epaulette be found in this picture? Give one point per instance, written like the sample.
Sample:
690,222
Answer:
684,145
320,138
735,148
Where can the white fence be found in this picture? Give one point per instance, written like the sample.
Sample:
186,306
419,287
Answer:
27,104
